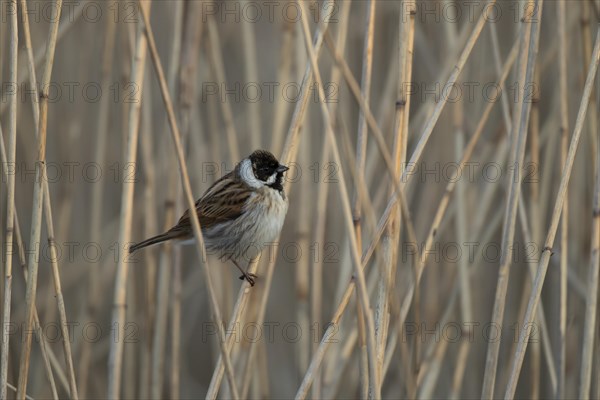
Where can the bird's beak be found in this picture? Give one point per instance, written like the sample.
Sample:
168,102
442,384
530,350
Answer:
282,168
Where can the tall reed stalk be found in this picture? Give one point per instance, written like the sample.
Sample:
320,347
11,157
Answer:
547,253
10,203
36,217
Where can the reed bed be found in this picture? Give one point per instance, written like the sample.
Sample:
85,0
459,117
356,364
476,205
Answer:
443,234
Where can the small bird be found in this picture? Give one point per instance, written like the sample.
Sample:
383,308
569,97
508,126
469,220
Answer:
239,214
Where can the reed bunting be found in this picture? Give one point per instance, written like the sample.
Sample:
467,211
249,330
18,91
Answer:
239,214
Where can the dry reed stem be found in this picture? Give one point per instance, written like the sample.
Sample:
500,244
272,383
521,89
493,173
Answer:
144,287
534,127
460,210
591,304
216,59
375,389
22,260
450,304
348,346
460,368
520,123
595,265
534,212
363,354
361,137
161,318
36,218
434,354
93,299
587,52
461,199
466,295
431,122
546,181
534,239
151,291
190,200
261,383
3,35
164,278
262,305
301,273
362,192
39,55
236,316
49,218
382,147
592,122
318,357
31,62
541,315
498,65
546,254
523,217
416,155
115,360
467,153
443,204
564,128
290,146
361,153
365,109
406,34
316,271
46,356
426,383
175,330
64,325
280,111
388,95
10,203
531,217
187,88
323,192
251,76
187,76
14,389
488,194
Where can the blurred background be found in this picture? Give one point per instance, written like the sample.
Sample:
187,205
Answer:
482,80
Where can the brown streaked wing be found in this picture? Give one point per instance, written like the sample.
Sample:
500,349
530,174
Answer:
223,201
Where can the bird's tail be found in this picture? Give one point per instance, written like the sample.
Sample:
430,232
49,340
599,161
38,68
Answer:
155,240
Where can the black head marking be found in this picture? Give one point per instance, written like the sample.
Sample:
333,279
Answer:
264,164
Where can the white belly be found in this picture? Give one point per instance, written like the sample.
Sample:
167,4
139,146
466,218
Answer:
258,227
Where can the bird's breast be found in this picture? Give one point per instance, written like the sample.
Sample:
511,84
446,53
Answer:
268,208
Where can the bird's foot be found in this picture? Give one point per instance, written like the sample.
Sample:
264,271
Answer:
249,277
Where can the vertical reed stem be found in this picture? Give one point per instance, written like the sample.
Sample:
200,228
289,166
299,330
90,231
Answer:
10,203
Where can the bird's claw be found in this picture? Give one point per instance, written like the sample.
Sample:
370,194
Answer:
249,277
